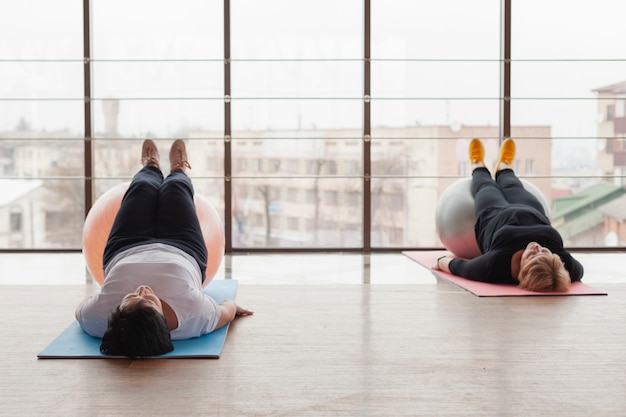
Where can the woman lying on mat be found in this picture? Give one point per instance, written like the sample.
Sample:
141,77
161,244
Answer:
143,269
517,243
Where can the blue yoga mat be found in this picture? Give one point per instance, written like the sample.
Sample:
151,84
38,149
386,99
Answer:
74,343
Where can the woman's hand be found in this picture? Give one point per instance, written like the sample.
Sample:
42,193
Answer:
243,311
443,263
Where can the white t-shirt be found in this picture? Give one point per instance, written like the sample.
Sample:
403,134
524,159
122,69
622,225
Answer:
173,275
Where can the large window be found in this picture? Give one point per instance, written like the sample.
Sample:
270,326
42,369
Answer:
568,76
157,72
297,87
41,123
310,125
435,83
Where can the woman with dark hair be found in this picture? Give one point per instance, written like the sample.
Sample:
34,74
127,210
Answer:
517,243
154,266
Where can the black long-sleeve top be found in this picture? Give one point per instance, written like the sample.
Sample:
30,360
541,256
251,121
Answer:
502,232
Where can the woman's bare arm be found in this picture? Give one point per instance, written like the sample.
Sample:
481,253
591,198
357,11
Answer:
229,310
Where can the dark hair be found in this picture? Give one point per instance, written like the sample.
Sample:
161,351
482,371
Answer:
136,331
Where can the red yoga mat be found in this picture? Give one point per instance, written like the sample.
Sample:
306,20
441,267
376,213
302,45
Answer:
482,289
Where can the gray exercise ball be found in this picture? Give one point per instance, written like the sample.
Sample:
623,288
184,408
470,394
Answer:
454,217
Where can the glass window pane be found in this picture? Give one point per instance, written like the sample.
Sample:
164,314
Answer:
42,30
297,123
293,30
435,85
42,80
310,79
427,29
403,210
297,212
118,118
157,29
568,77
41,125
427,80
311,186
337,155
157,73
42,118
158,80
41,213
309,117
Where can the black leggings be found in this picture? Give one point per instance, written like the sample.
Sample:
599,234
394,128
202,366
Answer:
157,210
505,190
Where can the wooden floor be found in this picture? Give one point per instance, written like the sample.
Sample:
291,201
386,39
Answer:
422,348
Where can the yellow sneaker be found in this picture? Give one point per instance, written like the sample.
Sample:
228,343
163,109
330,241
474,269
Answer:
476,152
507,154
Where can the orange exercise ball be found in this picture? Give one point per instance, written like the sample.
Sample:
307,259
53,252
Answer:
100,219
